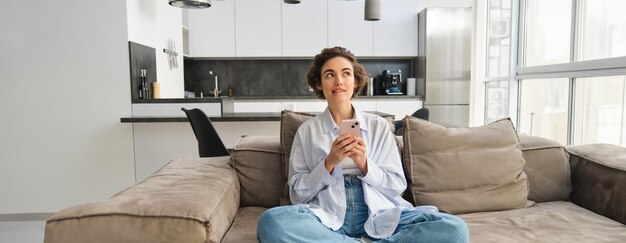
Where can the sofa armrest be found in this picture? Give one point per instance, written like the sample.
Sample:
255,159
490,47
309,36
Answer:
599,179
188,200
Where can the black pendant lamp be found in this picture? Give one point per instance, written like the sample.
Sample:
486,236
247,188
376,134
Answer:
372,10
292,1
191,3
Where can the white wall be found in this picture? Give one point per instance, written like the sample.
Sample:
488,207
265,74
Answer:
64,85
153,23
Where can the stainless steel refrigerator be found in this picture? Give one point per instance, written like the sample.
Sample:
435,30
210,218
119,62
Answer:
444,64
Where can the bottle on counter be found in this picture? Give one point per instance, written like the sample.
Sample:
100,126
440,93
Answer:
229,93
143,86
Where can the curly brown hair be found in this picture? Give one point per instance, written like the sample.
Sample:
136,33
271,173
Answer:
314,76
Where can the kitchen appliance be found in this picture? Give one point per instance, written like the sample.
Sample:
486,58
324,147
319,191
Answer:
444,64
392,82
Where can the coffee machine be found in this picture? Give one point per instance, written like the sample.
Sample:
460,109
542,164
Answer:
392,82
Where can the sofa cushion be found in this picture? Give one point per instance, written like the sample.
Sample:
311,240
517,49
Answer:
463,170
290,121
547,168
243,228
556,221
188,200
599,179
257,160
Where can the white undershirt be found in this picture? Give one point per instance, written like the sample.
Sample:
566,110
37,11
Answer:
348,167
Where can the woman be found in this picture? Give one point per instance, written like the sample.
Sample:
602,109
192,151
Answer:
334,203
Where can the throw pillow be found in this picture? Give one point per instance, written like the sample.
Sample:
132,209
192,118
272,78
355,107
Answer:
465,170
290,121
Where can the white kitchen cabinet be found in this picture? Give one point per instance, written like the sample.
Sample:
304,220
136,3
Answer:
395,34
212,30
347,27
304,28
256,105
365,105
271,28
156,143
308,105
399,108
258,28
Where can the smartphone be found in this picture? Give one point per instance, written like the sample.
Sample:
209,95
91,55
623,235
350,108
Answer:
350,126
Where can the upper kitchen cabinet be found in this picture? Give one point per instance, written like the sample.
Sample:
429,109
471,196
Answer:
348,29
395,34
258,28
304,28
212,30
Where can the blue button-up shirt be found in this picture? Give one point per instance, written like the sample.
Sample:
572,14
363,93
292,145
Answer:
311,184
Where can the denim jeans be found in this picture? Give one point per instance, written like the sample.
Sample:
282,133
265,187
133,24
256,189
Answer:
297,223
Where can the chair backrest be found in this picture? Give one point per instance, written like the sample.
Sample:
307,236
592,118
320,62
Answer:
209,142
421,113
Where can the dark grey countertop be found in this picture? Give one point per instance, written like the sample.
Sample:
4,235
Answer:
219,99
226,117
315,97
179,100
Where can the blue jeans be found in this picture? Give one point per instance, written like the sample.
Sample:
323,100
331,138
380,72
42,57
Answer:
296,223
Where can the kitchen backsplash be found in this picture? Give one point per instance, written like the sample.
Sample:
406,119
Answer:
141,57
269,77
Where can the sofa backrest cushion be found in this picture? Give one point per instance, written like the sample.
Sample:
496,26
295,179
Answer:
257,161
547,168
465,170
290,121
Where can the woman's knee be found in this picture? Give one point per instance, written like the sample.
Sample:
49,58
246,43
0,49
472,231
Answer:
458,228
277,217
270,218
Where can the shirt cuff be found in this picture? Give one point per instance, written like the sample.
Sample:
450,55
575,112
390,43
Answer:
374,175
319,174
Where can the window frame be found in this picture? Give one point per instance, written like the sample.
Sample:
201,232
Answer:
572,70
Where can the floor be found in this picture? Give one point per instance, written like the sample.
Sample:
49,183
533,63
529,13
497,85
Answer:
22,231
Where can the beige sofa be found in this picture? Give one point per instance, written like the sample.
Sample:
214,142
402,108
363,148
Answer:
579,195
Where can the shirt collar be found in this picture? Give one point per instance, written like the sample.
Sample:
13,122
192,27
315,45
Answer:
329,125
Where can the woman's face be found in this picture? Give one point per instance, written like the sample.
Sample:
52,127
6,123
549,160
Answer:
337,82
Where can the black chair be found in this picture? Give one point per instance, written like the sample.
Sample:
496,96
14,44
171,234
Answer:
209,142
421,113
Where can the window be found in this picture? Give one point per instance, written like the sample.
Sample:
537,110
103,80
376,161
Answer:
544,108
497,100
499,38
498,61
602,29
599,110
548,32
572,79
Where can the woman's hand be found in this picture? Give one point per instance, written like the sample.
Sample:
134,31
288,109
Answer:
342,147
359,155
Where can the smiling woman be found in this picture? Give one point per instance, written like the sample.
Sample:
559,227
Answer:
339,56
329,170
